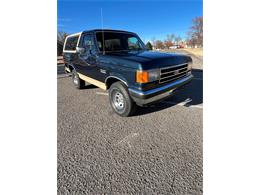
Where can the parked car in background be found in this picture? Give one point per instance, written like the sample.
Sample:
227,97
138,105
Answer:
180,46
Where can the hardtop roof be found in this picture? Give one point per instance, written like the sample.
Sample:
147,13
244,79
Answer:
105,30
108,30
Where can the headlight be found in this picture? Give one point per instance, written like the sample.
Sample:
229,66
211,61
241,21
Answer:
147,76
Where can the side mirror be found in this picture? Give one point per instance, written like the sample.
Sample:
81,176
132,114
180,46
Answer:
80,50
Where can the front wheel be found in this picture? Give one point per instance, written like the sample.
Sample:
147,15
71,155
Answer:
120,100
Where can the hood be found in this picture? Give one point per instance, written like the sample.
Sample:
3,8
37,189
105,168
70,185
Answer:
150,60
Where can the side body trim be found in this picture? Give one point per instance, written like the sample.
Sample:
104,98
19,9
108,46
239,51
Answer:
93,81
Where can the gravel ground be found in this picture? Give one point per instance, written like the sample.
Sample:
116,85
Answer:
157,151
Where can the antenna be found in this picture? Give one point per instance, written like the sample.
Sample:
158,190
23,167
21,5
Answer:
103,39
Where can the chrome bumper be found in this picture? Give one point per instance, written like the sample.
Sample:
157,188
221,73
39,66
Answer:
146,97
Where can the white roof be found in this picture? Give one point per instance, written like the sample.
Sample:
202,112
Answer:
74,34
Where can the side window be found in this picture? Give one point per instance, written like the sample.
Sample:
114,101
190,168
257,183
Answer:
113,44
71,43
88,42
133,43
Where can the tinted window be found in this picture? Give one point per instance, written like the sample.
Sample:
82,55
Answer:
88,42
115,41
71,43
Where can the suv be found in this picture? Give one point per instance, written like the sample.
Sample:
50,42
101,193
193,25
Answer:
119,62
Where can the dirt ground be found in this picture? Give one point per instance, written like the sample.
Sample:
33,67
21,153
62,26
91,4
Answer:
195,53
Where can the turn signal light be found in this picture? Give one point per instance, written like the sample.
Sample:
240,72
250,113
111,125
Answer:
142,77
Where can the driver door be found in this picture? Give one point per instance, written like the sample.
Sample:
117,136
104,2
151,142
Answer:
88,59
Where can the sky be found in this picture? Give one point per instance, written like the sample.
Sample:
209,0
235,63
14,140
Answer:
149,19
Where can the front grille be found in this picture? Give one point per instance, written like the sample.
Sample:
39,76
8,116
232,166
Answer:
173,72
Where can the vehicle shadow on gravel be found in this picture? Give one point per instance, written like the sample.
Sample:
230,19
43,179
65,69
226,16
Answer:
190,95
89,86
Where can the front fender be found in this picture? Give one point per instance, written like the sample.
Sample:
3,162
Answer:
118,77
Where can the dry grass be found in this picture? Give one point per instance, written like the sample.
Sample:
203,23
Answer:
194,51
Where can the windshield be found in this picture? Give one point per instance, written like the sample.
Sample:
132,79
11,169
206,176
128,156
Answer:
115,42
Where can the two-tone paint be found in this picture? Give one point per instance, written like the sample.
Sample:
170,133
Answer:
101,69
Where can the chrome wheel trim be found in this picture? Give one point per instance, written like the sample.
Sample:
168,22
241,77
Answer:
118,100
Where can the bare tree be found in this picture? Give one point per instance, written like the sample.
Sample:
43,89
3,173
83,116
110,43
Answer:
153,39
60,42
159,44
169,41
196,32
178,39
61,36
191,42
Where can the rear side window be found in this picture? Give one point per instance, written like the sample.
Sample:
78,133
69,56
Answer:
71,43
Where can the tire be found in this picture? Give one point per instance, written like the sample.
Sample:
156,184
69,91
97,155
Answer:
120,100
78,82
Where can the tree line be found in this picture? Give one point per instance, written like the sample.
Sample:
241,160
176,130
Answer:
194,38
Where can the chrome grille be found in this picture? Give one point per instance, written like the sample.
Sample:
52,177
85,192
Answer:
173,72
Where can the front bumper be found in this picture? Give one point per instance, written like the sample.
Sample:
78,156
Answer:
154,95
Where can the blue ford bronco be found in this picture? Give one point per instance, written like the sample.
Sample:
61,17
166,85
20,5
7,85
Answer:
118,61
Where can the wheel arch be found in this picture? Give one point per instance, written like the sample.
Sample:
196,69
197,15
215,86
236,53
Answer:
71,67
112,79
